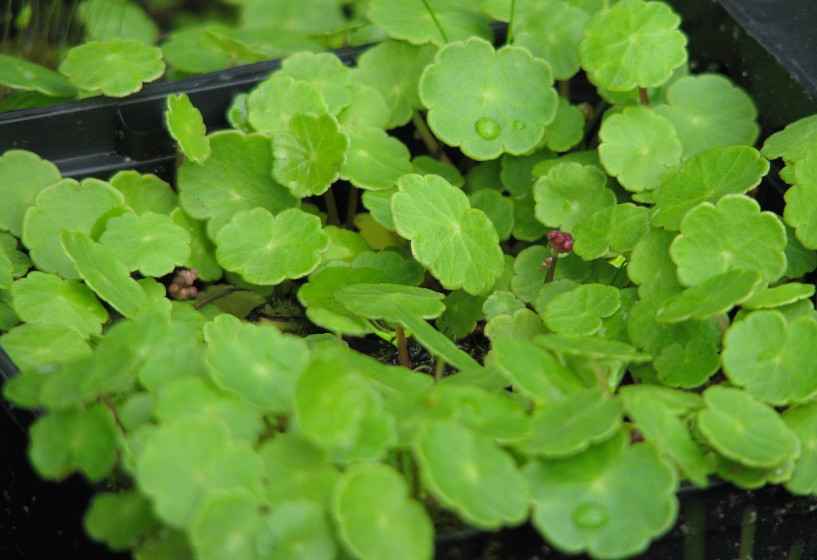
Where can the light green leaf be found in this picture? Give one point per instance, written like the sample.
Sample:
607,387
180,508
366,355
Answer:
436,342
112,19
732,234
393,68
610,501
567,128
375,160
308,152
150,243
120,520
235,177
48,299
273,102
581,309
296,469
793,141
326,71
802,420
614,229
708,111
632,44
591,347
458,244
715,296
569,194
470,474
637,145
706,177
376,518
551,29
298,529
115,67
650,266
105,274
66,206
267,249
226,525
368,108
390,301
186,126
785,294
31,344
504,98
462,312
801,211
774,360
498,208
570,426
19,73
745,430
435,21
22,176
145,193
85,440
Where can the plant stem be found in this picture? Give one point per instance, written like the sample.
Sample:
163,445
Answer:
439,369
722,324
643,97
331,208
436,21
427,137
747,533
509,36
351,207
402,347
564,89
551,269
218,295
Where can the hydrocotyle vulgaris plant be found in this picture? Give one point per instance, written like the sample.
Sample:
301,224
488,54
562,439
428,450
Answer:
648,321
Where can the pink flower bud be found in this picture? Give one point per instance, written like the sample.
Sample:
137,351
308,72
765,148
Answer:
560,241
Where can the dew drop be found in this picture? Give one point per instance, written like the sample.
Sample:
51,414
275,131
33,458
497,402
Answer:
519,125
589,515
487,128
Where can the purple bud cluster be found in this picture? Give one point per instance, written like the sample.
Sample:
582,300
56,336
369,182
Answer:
182,286
560,241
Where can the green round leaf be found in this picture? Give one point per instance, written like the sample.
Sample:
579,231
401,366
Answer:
435,21
375,160
267,249
273,102
308,153
498,208
22,176
468,473
591,347
182,462
552,30
227,526
186,126
104,19
581,310
732,234
716,296
298,529
800,211
116,67
785,294
503,98
637,145
381,301
376,518
32,344
65,206
706,177
145,193
569,194
570,426
296,469
48,299
235,177
119,520
457,243
802,420
84,440
150,243
19,73
105,274
632,44
745,430
610,501
793,141
326,71
614,229
708,111
774,360
256,362
393,68
368,108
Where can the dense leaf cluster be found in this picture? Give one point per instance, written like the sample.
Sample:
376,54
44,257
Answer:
647,319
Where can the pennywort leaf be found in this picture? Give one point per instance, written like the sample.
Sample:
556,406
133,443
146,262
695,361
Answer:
22,176
150,243
115,67
185,124
504,98
267,249
457,243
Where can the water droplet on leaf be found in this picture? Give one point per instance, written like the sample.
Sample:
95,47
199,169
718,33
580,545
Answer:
519,125
488,128
589,515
